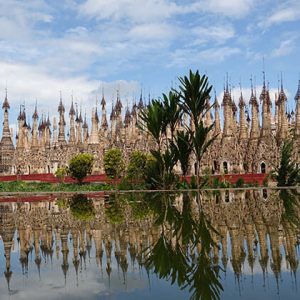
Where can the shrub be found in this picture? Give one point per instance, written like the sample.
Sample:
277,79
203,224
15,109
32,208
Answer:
113,163
288,173
137,166
61,173
80,166
240,183
216,183
224,184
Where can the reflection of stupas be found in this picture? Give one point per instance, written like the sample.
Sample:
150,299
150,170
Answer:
254,225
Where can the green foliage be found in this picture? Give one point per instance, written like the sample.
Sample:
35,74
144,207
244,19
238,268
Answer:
159,116
181,146
288,174
62,203
80,166
240,183
159,172
153,118
115,210
169,259
172,112
61,173
193,183
113,163
216,183
27,186
266,181
194,90
224,184
136,169
82,208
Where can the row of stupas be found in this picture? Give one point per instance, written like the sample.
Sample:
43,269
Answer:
249,140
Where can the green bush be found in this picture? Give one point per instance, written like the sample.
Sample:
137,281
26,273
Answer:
136,169
80,166
113,163
61,173
240,183
224,184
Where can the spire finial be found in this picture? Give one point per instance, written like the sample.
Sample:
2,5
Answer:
240,84
264,73
227,82
281,81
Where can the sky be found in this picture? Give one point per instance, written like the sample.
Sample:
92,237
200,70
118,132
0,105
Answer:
81,47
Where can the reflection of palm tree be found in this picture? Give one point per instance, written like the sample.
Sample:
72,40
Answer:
181,231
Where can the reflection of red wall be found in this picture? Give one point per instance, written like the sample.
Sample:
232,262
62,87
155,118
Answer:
37,198
231,178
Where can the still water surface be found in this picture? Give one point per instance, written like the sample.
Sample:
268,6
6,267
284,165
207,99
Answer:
220,245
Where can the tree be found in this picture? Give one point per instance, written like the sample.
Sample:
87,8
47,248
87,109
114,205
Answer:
194,92
172,112
137,165
80,166
113,163
288,174
161,117
183,149
61,173
154,119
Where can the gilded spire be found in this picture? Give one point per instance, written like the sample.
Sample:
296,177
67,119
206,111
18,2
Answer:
243,129
297,96
61,108
216,105
35,115
141,104
72,110
5,102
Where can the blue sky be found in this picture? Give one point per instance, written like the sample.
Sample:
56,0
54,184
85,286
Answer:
79,47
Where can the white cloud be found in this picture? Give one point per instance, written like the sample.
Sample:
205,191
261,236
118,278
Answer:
138,11
285,48
19,18
216,33
151,31
230,8
28,83
153,10
184,57
286,12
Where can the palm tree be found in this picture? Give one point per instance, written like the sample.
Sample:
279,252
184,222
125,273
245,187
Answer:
194,90
182,148
288,173
172,112
153,117
193,93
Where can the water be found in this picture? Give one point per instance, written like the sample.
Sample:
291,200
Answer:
217,245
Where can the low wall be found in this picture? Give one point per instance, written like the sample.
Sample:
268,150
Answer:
50,178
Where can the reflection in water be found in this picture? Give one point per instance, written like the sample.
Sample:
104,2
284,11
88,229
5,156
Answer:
195,241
